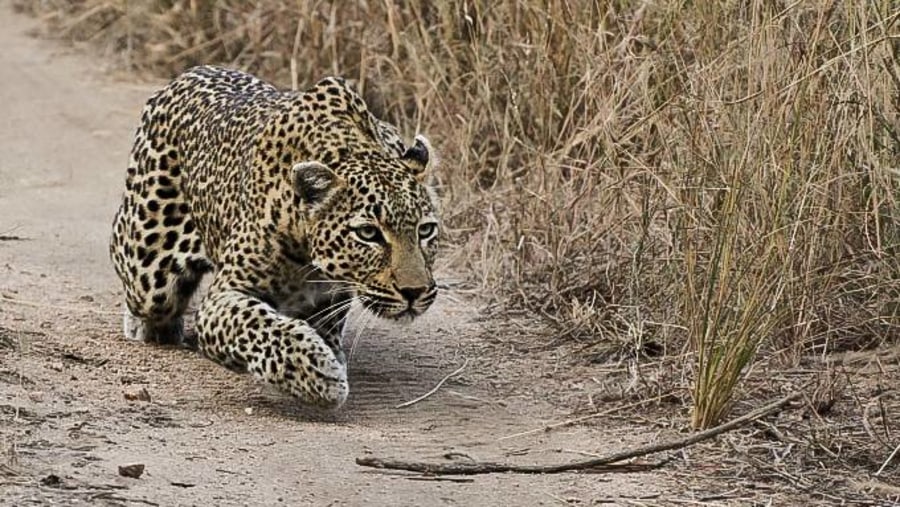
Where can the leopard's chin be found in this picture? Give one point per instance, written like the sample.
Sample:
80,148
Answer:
396,312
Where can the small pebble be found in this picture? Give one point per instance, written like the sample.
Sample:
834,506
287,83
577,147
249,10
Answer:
137,394
134,470
51,480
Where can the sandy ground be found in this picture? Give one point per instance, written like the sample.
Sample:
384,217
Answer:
209,436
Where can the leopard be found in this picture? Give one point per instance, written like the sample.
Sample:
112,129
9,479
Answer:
297,203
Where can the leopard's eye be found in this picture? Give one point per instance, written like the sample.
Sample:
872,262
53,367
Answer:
369,233
427,230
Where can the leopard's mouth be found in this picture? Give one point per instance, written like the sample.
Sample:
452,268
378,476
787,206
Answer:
398,310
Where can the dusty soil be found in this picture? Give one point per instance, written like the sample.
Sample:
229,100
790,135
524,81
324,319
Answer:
208,436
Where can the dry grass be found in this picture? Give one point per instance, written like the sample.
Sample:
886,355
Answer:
667,176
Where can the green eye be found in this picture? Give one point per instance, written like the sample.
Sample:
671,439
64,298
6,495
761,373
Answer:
427,230
369,233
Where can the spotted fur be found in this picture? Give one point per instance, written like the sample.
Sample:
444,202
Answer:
297,201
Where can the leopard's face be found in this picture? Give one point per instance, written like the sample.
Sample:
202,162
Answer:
374,225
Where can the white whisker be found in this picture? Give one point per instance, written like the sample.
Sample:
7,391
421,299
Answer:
331,310
364,321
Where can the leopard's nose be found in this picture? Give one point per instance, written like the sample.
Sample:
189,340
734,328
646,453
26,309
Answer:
411,294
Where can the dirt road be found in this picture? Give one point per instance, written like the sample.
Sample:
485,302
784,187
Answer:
208,436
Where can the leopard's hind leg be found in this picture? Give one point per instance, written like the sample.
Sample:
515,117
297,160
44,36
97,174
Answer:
155,246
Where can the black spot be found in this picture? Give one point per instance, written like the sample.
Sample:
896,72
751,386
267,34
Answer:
148,260
166,193
172,221
171,239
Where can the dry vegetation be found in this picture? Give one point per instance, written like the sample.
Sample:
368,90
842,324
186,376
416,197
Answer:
710,179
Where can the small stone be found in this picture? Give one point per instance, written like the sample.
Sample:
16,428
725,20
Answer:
56,366
137,394
51,480
248,410
134,470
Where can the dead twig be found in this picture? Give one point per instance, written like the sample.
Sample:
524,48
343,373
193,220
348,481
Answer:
570,422
601,464
435,388
109,495
438,479
887,461
35,304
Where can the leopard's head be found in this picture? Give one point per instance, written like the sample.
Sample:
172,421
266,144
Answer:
372,222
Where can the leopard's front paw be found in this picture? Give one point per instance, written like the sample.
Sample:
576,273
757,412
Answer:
318,378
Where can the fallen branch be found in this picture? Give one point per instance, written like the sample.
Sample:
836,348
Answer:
435,388
601,464
486,467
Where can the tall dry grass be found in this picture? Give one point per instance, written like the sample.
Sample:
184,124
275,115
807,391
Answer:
712,176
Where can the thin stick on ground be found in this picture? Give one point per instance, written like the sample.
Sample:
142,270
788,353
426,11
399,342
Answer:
435,388
570,422
607,464
62,308
887,461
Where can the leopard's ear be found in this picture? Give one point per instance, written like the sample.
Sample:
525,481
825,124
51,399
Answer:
314,182
418,158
